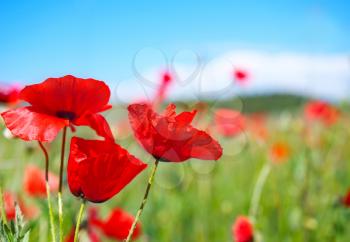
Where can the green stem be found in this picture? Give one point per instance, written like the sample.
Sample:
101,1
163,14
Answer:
52,225
2,207
60,215
254,205
77,226
60,207
139,212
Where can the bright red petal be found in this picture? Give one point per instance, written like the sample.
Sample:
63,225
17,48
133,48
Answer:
28,124
98,170
186,118
67,94
98,123
203,146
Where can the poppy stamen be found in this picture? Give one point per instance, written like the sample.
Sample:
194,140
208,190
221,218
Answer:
66,115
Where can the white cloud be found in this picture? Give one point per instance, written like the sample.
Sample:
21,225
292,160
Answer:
325,76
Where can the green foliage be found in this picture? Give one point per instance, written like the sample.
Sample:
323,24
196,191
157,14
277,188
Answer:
15,230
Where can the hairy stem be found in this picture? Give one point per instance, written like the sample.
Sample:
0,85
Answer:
77,226
139,212
52,224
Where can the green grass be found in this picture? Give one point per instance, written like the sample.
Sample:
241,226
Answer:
197,201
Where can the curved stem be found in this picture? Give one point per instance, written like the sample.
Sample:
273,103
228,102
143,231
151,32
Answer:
139,212
46,161
258,189
77,226
52,225
60,207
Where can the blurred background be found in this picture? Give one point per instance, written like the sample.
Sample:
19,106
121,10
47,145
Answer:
270,81
295,47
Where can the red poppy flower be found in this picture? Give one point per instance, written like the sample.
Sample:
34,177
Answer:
241,76
321,111
242,230
118,224
34,181
171,137
279,152
98,170
9,94
346,199
229,122
60,102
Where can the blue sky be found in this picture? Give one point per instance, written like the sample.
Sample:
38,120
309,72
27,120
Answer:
99,38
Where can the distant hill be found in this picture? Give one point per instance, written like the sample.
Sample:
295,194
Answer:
260,103
272,103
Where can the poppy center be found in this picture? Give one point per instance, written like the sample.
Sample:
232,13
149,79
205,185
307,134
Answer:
66,115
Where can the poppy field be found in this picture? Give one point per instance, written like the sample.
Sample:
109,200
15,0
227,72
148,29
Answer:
75,166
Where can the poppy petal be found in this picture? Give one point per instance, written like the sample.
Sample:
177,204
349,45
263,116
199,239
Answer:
28,124
203,146
98,123
67,94
186,117
98,170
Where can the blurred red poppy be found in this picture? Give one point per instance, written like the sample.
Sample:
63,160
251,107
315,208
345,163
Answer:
229,122
59,102
166,80
9,205
242,230
321,111
241,76
171,137
98,170
10,199
9,94
346,199
93,237
118,224
88,225
257,126
279,152
34,181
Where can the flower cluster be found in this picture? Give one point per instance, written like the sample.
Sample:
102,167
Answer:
98,169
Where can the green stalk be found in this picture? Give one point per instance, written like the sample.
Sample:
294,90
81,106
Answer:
52,225
60,207
139,212
77,226
254,205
